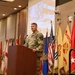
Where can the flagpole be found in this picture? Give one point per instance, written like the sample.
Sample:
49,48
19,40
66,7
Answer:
51,23
57,41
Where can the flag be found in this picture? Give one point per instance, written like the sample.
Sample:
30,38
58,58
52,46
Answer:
45,59
10,42
17,41
4,65
20,40
50,52
55,67
60,50
0,48
66,48
6,56
73,46
3,59
0,52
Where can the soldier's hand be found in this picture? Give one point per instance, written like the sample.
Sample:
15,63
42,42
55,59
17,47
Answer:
34,50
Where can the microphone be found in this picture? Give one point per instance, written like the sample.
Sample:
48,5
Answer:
25,38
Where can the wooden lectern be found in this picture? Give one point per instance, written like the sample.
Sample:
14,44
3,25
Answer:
21,61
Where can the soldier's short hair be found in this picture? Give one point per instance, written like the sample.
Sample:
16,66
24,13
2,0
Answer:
34,24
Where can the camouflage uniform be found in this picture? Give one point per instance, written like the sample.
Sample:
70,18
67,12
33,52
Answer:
36,41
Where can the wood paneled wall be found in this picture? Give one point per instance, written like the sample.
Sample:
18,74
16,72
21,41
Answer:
22,26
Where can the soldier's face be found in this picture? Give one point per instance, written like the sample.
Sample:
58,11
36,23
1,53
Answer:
33,28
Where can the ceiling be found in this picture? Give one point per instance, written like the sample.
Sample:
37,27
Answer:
7,8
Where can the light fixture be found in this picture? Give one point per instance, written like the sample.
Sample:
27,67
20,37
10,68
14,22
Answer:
19,6
15,8
7,0
3,14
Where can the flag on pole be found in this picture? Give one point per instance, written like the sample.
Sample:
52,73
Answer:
50,51
3,65
0,52
20,40
6,56
17,41
66,48
60,50
45,57
0,48
55,68
73,46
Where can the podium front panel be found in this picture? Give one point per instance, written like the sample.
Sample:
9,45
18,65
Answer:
21,61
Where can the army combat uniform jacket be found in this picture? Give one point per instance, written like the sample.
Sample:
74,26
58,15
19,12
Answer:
35,41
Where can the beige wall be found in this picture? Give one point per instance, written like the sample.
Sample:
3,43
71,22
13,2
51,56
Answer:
3,24
11,23
2,29
66,10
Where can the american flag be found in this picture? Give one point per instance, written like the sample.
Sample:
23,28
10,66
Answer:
50,51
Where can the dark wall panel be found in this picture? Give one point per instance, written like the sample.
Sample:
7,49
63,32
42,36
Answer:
22,24
59,2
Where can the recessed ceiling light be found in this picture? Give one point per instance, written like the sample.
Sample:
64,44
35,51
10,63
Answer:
19,6
8,0
15,8
3,14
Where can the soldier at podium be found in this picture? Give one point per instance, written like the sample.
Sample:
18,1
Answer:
36,42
